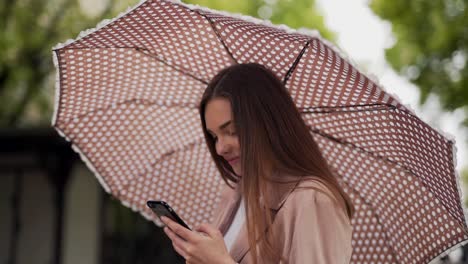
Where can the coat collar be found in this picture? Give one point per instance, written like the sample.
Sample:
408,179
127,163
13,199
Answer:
278,190
282,185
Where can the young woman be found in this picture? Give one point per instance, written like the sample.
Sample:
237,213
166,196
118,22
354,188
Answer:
282,203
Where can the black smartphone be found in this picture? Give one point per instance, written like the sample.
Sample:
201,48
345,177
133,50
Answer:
161,208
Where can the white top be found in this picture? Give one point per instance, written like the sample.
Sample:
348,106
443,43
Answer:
235,226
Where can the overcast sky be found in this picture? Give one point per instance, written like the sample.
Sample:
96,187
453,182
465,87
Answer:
364,36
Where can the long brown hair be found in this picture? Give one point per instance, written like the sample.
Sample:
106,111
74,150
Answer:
272,136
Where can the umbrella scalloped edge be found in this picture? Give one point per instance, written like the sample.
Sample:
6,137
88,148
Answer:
79,152
100,25
316,34
437,259
458,179
344,55
305,31
104,184
85,160
57,89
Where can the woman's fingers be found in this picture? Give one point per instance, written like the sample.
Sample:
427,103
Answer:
180,251
208,229
199,247
179,244
179,230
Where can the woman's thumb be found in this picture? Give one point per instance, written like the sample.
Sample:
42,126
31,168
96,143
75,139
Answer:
208,229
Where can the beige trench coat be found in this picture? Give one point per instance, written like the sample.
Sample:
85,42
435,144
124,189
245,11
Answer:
313,227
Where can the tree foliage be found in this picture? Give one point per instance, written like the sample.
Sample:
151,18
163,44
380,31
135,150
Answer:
30,28
431,46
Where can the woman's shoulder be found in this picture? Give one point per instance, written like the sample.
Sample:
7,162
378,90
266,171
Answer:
312,189
311,217
312,197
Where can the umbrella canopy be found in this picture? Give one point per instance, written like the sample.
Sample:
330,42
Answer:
127,96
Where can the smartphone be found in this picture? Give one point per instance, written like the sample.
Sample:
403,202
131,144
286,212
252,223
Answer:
161,208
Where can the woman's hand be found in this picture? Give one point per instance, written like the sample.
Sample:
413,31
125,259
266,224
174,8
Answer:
205,247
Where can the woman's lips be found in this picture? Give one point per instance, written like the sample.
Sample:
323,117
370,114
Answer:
234,161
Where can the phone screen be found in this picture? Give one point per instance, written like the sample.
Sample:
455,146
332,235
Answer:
161,208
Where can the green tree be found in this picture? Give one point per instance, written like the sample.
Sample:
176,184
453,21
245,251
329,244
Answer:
29,30
431,46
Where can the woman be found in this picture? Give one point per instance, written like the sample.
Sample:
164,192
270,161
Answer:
282,203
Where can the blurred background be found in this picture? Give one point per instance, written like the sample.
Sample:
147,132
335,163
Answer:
53,209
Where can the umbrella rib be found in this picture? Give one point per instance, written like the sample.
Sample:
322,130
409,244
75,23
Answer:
149,54
384,107
347,143
309,110
390,107
362,198
405,168
169,153
294,65
102,47
217,35
374,214
129,101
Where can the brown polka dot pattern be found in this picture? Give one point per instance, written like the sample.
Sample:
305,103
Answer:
415,226
127,100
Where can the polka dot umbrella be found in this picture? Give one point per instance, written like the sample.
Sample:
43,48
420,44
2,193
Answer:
127,95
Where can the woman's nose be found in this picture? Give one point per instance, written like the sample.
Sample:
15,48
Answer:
222,147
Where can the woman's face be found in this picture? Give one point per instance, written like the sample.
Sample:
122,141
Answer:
220,125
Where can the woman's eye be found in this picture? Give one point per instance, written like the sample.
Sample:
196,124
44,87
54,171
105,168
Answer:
231,133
